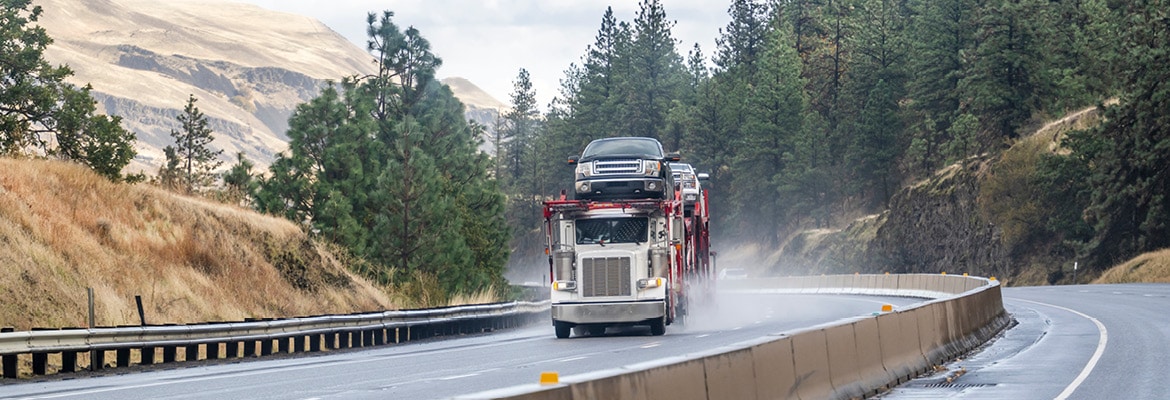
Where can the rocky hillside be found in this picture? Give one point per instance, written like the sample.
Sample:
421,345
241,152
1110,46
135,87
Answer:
248,66
937,225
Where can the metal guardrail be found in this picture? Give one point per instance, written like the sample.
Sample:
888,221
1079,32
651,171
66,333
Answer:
265,337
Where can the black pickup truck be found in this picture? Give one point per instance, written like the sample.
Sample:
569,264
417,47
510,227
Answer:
623,168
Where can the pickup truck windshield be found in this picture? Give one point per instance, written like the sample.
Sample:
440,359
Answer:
612,230
624,147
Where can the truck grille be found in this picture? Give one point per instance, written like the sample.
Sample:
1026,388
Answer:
605,276
607,167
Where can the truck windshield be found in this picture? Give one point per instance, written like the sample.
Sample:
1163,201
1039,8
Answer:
632,147
612,230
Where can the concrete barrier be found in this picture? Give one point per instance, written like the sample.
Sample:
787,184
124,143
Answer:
810,354
844,363
853,358
731,375
775,369
872,375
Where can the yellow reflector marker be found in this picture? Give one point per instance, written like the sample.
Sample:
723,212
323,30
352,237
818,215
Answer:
993,278
887,273
887,307
944,272
964,274
549,378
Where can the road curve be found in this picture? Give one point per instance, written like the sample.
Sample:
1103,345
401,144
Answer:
446,368
1071,342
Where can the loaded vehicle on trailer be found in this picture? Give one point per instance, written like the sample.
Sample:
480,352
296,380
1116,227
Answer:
626,261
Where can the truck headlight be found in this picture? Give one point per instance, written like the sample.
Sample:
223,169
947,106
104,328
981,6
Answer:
651,168
584,170
650,283
565,286
583,187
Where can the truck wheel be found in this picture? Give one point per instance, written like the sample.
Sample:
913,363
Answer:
563,330
658,326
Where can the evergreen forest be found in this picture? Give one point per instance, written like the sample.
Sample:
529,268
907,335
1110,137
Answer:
811,113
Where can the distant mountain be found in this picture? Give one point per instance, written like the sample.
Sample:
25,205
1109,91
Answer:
249,67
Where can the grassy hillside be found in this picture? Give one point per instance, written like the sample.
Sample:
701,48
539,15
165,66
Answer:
1152,267
64,228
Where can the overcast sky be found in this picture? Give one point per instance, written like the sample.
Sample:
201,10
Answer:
488,41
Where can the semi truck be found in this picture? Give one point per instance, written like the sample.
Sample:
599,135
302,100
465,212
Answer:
626,262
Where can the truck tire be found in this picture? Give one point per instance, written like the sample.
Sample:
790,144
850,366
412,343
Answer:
563,329
658,326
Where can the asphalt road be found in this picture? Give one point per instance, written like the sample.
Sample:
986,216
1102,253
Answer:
1072,342
451,367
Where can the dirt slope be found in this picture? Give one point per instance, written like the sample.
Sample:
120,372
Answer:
63,229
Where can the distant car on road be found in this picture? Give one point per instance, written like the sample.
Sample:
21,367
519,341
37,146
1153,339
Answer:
733,274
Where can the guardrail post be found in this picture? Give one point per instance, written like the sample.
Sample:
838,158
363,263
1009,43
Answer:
266,347
233,349
68,361
147,355
191,353
315,342
249,348
39,363
283,344
213,351
169,354
9,362
380,337
298,343
122,357
97,359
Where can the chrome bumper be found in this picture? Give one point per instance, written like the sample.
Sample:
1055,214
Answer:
603,313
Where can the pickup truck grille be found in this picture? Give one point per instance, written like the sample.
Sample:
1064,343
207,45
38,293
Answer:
607,167
605,276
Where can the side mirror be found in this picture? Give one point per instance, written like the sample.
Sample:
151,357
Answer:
673,157
573,160
704,176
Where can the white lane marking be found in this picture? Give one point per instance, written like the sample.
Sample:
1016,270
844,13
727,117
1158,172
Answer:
448,378
1101,342
573,359
703,335
651,345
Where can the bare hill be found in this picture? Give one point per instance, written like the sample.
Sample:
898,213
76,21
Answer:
248,66
64,228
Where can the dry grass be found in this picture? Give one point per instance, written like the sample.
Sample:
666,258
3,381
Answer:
1152,267
63,229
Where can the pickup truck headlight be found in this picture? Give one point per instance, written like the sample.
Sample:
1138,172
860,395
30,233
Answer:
584,170
651,168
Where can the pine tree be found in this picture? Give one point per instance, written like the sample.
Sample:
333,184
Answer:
657,73
196,160
940,31
1127,155
768,147
877,131
40,112
1007,73
239,181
